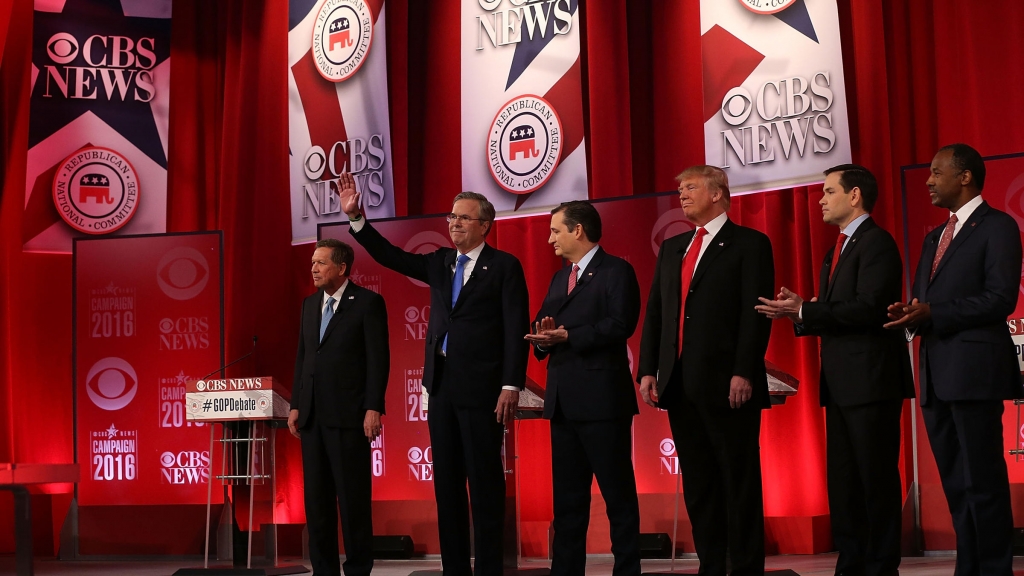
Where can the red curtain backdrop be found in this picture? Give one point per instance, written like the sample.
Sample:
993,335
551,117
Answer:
919,74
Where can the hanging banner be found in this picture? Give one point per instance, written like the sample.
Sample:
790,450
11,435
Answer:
774,91
337,110
522,103
98,118
143,329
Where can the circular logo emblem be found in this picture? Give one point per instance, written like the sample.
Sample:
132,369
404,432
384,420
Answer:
96,190
62,48
264,403
667,447
342,35
766,6
670,223
201,386
425,243
415,455
182,273
167,459
523,144
111,383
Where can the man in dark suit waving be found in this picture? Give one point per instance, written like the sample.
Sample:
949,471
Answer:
967,283
865,373
341,373
474,368
591,309
702,359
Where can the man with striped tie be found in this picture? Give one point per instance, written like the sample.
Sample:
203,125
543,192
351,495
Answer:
967,283
591,309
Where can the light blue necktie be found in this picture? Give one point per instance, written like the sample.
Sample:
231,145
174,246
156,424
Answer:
326,318
460,273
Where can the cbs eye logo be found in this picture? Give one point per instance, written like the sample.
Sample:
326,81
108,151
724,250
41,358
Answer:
111,383
182,273
669,224
667,447
425,243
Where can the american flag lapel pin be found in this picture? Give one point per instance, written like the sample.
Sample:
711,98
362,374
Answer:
485,267
351,297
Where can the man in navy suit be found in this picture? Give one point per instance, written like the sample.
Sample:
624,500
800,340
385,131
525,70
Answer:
473,369
591,309
341,373
865,373
966,285
702,359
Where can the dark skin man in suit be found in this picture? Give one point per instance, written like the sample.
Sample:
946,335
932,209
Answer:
967,283
474,367
341,374
590,399
865,373
702,359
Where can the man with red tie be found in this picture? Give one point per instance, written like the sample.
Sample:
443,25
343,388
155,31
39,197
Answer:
967,283
590,399
702,359
865,373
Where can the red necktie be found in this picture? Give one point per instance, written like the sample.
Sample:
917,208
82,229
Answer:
835,255
572,278
689,263
947,237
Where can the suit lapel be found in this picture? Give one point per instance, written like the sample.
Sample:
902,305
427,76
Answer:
716,246
480,269
449,261
847,253
966,230
586,277
344,302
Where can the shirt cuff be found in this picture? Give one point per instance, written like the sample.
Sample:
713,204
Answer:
357,225
513,388
800,313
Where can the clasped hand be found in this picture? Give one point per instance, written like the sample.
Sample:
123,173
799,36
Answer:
546,335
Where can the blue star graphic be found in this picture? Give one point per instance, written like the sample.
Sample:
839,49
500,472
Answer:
83,18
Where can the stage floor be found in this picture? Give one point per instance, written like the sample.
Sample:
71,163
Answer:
818,565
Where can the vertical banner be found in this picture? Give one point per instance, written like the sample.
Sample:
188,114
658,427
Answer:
522,103
402,457
143,327
337,110
97,143
774,91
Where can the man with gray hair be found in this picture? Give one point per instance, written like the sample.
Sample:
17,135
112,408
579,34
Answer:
474,367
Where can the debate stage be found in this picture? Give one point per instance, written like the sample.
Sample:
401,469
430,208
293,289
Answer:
940,564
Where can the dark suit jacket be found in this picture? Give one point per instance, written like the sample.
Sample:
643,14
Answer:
966,349
347,373
723,335
485,329
589,376
861,362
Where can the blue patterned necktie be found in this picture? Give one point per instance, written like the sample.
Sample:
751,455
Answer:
326,318
460,273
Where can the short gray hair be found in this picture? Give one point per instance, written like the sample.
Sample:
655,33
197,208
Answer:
486,208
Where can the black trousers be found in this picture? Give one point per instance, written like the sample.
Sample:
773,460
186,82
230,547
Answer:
336,475
581,450
865,492
967,440
720,459
466,445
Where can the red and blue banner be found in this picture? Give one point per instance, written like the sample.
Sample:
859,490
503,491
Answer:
774,91
98,118
338,116
522,103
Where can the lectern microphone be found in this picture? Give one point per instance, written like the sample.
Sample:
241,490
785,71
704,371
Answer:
236,360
